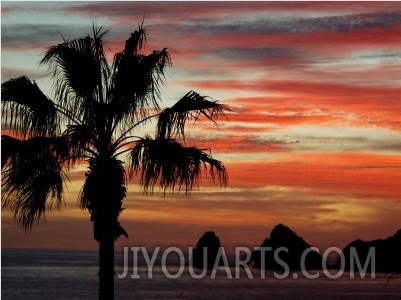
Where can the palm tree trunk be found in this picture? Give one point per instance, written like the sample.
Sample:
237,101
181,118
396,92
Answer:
106,264
104,233
105,187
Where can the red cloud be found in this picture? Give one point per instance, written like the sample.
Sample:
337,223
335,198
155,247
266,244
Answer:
355,174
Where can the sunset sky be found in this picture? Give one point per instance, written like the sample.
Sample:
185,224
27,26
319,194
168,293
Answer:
313,138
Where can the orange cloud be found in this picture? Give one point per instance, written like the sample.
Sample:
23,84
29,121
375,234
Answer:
369,176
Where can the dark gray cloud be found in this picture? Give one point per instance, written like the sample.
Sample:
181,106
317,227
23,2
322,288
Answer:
189,10
34,36
256,54
298,25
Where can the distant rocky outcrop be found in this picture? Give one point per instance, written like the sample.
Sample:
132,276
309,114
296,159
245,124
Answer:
387,254
211,242
282,236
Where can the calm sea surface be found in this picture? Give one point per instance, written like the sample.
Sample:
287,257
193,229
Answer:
49,274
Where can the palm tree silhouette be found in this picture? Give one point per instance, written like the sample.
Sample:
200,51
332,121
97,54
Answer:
96,110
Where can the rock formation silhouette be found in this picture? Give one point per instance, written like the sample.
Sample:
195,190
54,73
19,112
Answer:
211,243
282,236
387,255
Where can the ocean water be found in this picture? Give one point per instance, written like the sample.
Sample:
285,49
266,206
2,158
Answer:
51,274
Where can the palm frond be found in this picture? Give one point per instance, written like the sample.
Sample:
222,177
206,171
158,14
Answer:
32,176
9,147
80,70
98,40
192,107
137,77
135,43
26,110
173,166
81,140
